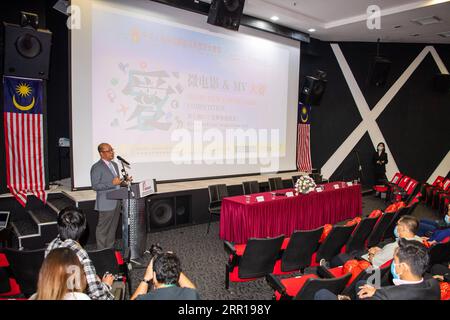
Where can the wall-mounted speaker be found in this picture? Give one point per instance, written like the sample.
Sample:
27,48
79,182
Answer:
312,90
226,13
26,51
441,82
379,71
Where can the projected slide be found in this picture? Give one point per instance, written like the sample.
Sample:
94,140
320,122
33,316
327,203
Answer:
157,86
156,77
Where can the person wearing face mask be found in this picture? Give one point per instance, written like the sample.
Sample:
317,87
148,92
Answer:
380,160
435,231
406,229
407,268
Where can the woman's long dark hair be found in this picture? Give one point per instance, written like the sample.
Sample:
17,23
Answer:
384,147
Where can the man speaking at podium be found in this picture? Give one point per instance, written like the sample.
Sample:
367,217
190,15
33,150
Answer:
104,178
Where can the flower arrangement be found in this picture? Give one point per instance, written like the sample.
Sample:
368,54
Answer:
305,184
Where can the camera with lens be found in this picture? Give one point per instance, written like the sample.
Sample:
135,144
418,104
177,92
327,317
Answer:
155,250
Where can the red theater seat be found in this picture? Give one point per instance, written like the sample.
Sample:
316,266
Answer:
297,251
385,188
14,288
304,287
253,260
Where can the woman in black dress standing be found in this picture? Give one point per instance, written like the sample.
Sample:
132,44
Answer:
379,162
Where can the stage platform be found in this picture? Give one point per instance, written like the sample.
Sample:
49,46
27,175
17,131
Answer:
172,187
79,196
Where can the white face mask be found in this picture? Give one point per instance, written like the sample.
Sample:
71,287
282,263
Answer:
380,148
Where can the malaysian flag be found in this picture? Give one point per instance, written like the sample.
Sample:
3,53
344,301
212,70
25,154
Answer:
303,139
24,142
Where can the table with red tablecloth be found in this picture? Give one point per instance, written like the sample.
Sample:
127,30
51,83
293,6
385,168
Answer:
276,215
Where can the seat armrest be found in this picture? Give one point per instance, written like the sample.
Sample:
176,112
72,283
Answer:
229,248
324,273
275,284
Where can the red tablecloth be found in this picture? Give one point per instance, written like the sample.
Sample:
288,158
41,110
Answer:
240,220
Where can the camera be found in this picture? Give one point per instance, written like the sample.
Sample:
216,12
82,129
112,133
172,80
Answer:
155,250
117,277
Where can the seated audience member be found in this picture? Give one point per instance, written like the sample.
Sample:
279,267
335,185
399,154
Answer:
436,230
71,226
169,283
410,262
406,229
61,277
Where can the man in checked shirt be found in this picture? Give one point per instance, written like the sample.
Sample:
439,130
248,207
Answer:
71,226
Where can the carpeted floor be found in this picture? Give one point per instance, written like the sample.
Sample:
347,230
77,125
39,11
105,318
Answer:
203,257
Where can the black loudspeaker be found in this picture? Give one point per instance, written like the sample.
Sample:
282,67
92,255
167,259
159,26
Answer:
182,209
442,82
26,51
379,71
160,213
312,90
226,13
168,212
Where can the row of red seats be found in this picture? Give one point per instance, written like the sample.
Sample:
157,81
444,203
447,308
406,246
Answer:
401,187
437,195
280,256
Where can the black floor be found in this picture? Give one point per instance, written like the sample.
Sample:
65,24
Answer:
203,257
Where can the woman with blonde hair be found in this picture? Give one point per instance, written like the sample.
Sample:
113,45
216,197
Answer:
61,277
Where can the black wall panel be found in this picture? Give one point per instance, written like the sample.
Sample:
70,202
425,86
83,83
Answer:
413,124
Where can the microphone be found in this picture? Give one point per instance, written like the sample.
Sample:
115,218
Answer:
123,160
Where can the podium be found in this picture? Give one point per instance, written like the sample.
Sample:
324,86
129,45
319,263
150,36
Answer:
134,232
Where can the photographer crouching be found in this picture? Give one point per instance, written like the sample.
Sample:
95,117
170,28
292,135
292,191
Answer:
169,283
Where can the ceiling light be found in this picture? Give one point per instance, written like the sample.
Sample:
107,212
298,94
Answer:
425,21
274,18
312,30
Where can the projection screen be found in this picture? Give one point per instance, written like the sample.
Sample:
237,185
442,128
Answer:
179,98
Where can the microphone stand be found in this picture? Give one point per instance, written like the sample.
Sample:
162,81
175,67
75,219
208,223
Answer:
359,167
129,195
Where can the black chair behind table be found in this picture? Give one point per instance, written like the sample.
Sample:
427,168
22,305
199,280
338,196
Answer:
305,287
334,242
216,193
25,266
105,260
294,179
250,187
357,241
275,184
257,259
380,228
299,250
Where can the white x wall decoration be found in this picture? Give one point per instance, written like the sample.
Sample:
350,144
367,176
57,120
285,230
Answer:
369,117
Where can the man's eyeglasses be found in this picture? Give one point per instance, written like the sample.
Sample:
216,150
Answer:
111,150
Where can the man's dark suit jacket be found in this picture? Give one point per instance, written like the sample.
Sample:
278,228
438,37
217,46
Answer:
426,290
